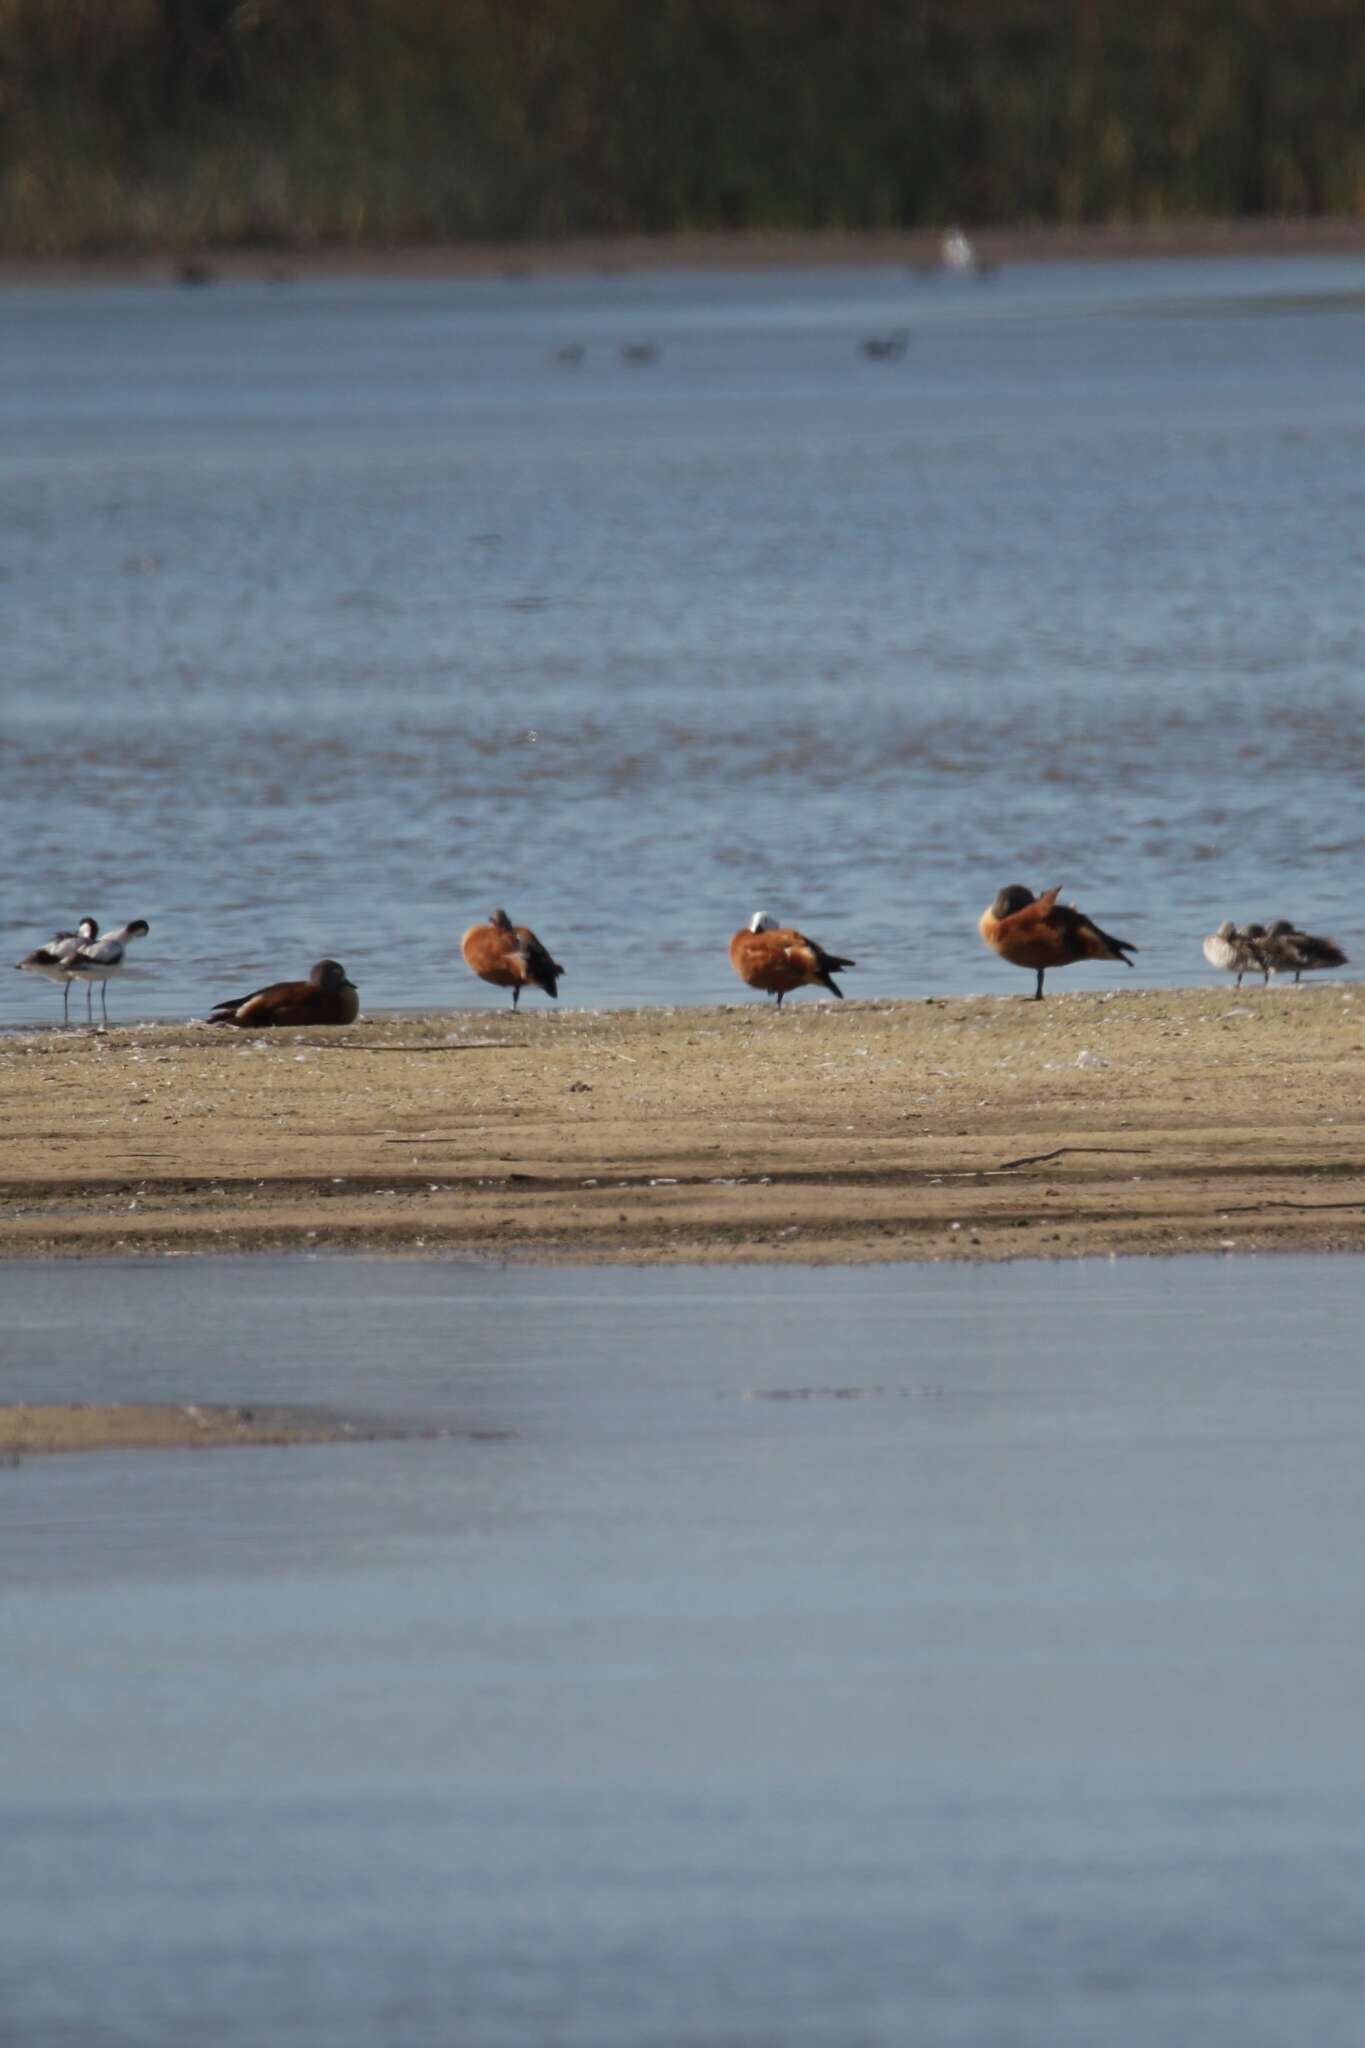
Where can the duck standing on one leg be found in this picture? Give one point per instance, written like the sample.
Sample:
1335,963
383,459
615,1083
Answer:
777,959
1038,932
509,956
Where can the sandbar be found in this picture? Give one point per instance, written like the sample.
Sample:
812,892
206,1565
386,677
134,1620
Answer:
1095,1122
29,1428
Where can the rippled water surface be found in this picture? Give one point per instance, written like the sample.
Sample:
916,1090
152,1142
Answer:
848,1657
336,613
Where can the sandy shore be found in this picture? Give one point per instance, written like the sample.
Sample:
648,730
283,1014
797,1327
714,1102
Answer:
32,1427
988,1128
750,251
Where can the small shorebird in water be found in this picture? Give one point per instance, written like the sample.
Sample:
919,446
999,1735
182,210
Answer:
1039,932
1236,949
509,956
1287,950
327,997
777,959
101,959
886,348
53,961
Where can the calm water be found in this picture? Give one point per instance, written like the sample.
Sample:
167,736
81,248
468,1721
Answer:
825,1658
337,613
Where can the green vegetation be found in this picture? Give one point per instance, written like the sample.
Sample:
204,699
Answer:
136,124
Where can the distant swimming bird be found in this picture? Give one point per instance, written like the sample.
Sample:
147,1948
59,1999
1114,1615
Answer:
509,956
327,997
53,961
101,959
1236,949
777,959
639,353
957,251
1286,950
571,354
886,348
1039,932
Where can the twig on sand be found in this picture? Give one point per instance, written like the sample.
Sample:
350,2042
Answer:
1037,1158
1255,1208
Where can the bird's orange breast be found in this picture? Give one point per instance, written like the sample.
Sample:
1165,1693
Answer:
1028,938
775,962
493,955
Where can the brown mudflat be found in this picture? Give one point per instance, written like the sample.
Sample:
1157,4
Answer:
1119,1120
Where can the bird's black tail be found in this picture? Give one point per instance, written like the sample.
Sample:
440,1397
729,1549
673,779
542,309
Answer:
1119,949
830,964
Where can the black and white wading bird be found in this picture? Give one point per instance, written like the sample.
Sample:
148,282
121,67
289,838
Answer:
53,961
101,959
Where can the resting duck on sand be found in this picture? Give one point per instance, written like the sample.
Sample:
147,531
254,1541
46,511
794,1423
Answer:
327,997
509,956
777,959
1039,932
1236,949
1286,950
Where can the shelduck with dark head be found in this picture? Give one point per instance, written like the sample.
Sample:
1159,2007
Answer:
510,955
327,997
1038,932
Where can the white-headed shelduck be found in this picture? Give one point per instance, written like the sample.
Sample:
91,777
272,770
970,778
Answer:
777,959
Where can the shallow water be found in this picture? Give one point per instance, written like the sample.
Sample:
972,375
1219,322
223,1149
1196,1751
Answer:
337,613
853,1656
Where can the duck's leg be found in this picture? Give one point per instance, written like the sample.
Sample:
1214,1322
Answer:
1038,992
66,1002
780,993
104,1001
516,993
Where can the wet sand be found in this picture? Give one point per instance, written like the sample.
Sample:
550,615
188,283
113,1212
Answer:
757,250
988,1128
